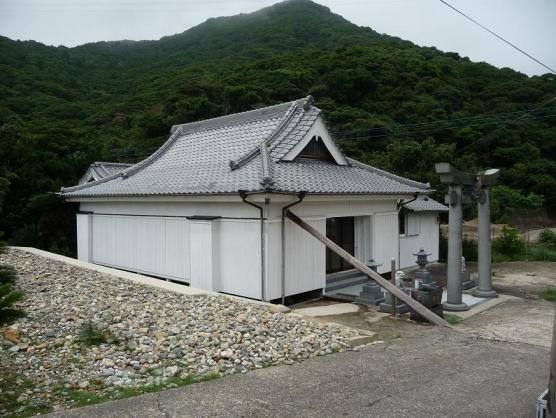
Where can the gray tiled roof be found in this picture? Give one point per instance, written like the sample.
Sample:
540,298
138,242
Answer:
100,169
243,151
426,204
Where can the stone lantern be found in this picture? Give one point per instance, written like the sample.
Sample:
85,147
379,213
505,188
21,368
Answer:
422,274
426,290
373,265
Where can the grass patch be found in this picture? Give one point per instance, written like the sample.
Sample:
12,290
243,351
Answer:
549,294
84,397
541,252
452,319
510,246
534,252
12,386
81,397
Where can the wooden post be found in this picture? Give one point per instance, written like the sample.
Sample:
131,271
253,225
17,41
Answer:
552,375
393,280
385,284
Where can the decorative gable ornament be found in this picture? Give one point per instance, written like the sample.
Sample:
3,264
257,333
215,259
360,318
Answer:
317,142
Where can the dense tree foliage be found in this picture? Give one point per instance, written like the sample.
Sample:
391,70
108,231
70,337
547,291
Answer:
388,102
8,296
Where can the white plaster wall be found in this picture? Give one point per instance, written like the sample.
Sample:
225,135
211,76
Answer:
428,238
171,208
161,245
341,207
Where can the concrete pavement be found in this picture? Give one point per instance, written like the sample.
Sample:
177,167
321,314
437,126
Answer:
437,373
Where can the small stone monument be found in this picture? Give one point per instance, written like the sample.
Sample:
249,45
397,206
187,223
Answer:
466,282
371,293
388,304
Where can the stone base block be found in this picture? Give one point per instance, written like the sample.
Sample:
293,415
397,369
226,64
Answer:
455,306
371,294
484,293
438,309
389,308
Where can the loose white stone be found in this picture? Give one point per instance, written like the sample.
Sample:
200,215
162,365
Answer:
149,332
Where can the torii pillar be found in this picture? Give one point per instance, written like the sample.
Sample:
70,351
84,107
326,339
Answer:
456,181
485,179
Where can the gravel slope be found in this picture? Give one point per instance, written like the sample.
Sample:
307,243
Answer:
153,335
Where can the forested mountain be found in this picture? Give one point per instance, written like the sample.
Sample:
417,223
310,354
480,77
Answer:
389,102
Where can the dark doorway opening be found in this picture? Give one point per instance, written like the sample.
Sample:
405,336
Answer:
341,231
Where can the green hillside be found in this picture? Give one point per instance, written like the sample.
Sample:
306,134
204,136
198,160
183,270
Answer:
390,103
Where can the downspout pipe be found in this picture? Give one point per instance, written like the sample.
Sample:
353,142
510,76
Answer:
300,198
243,194
399,207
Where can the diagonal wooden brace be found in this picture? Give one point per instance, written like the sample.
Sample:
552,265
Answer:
412,303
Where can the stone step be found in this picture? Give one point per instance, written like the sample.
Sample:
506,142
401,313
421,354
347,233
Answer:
346,282
342,275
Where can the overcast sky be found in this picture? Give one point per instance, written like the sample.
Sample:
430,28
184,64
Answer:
530,24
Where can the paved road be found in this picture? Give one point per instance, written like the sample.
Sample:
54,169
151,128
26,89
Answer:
434,374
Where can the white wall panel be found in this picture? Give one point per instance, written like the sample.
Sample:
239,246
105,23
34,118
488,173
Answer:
385,239
305,258
125,237
274,260
149,242
363,238
103,240
203,240
177,245
240,255
84,236
152,245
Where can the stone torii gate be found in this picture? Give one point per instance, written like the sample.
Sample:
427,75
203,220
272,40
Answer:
461,186
485,179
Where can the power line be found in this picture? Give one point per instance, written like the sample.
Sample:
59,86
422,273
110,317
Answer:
359,135
429,127
521,117
498,36
453,120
